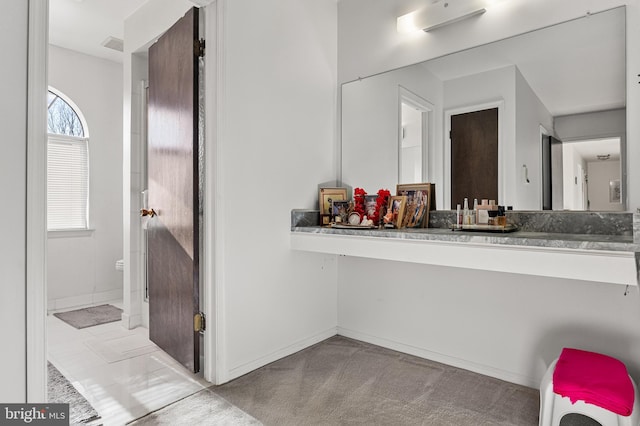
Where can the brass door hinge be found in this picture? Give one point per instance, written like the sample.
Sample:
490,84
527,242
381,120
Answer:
199,322
198,48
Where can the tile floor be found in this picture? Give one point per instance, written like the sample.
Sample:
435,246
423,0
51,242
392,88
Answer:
120,391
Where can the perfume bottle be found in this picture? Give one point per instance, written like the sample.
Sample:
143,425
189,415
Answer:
466,217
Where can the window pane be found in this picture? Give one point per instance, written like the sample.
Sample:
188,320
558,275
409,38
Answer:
62,119
67,183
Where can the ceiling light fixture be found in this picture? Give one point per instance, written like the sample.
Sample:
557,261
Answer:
440,14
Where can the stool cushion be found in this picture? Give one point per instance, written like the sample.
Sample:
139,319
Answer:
595,379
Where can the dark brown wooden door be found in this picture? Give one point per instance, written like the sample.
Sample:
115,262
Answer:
474,156
172,236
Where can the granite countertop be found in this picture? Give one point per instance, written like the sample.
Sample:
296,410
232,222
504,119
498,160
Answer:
564,230
518,238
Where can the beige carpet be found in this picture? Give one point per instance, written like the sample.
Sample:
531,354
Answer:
344,381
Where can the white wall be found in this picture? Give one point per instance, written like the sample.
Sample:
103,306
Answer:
13,169
572,163
509,327
411,146
81,268
273,143
503,325
530,115
593,125
370,114
600,174
277,126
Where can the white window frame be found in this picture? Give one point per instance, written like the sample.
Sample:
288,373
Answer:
83,143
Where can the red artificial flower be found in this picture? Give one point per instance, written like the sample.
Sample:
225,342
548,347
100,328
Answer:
381,203
358,201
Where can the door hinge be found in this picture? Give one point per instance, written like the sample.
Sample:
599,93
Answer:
198,48
199,322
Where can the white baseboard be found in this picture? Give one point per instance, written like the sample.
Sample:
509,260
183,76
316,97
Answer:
280,353
83,300
444,359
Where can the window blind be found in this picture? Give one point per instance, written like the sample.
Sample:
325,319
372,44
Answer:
67,182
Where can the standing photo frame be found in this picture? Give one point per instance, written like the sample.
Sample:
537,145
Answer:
395,211
420,201
326,197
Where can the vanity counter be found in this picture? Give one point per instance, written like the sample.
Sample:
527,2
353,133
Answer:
620,243
582,256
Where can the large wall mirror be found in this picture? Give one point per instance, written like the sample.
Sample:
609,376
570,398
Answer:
557,96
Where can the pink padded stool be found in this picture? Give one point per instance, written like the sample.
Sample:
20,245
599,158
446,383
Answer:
589,384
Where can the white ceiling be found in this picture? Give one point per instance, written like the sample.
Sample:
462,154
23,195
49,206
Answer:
589,150
83,25
577,66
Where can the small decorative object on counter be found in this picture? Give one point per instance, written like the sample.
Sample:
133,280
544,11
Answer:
326,197
354,218
395,213
381,206
358,202
340,213
420,200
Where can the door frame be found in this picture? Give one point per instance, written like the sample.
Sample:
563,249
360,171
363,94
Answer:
427,110
211,14
446,186
35,283
36,220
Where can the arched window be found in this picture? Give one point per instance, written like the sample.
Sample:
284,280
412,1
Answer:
67,165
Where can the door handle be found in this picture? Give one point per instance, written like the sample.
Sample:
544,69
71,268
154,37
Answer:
150,212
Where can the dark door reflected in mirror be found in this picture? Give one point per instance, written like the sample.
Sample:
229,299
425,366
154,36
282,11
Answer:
474,156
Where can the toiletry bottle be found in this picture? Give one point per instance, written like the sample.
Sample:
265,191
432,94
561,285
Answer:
483,213
474,213
458,216
501,218
465,212
493,217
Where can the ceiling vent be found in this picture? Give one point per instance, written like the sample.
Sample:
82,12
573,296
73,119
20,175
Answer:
114,43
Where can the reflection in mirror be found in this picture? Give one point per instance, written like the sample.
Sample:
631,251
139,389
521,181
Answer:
552,88
591,175
415,116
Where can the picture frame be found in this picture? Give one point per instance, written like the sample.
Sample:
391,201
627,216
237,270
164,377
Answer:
420,201
340,211
370,204
326,196
614,191
395,211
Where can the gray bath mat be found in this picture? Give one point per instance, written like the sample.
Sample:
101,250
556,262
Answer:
88,317
60,390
